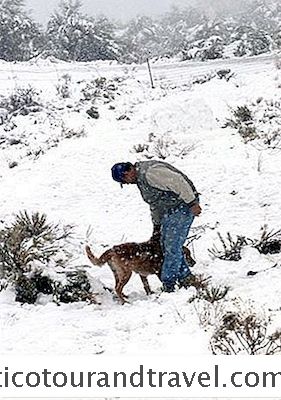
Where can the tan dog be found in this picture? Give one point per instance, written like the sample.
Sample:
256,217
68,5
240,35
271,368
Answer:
144,258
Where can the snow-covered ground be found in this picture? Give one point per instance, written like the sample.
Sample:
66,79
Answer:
70,181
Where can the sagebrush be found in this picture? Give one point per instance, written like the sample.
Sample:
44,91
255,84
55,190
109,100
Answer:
31,239
244,334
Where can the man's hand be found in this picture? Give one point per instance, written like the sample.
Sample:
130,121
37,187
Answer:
196,209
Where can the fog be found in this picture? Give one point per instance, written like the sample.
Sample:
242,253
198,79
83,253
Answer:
126,9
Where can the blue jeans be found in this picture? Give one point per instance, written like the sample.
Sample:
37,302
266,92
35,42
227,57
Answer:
175,226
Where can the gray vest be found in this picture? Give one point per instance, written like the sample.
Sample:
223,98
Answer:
160,201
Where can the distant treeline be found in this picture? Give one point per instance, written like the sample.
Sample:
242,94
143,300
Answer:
187,33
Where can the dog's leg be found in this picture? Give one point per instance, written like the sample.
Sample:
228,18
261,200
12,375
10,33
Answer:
146,285
117,282
188,257
115,276
120,285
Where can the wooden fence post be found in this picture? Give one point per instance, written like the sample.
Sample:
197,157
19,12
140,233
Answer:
150,74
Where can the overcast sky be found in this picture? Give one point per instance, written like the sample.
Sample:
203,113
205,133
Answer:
122,9
118,9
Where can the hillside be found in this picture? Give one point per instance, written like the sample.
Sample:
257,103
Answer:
56,159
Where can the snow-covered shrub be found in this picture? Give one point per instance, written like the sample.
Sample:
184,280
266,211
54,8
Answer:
76,288
260,121
93,112
13,164
123,117
231,248
22,101
269,242
251,41
140,148
244,334
203,78
69,133
3,284
198,281
50,125
99,88
209,302
28,287
29,243
31,250
162,147
242,120
205,49
267,117
208,313
26,290
3,115
226,74
211,293
44,283
64,86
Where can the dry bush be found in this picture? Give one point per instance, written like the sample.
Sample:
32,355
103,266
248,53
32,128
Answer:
140,148
269,242
22,101
208,313
199,281
231,248
162,147
244,334
210,293
208,305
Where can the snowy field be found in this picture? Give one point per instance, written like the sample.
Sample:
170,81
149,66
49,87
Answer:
69,179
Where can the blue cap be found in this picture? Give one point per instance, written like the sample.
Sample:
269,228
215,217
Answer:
118,170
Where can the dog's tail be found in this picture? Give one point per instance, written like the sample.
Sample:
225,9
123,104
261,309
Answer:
95,260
